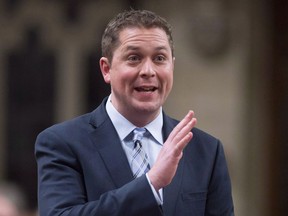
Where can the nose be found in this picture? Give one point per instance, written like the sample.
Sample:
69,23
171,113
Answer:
147,69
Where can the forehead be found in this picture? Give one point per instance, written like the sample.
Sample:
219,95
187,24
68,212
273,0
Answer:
143,36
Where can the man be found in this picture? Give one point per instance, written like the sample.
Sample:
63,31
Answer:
87,166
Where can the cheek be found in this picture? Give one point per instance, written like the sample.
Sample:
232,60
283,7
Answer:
120,79
169,79
169,84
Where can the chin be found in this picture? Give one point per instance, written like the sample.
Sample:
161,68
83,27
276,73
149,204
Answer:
146,108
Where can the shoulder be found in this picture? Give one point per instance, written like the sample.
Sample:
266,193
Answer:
82,124
64,135
198,134
203,136
201,140
71,126
205,148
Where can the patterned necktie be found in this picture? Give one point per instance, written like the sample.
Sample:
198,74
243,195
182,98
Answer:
139,164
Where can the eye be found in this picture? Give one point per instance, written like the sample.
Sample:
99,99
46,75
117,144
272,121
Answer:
159,58
133,58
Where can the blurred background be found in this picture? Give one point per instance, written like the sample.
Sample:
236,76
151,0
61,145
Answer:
231,69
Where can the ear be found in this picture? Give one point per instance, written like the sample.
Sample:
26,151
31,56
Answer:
105,69
173,63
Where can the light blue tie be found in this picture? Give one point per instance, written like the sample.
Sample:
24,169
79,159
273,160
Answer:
140,164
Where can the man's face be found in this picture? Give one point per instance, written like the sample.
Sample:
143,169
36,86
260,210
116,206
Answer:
141,72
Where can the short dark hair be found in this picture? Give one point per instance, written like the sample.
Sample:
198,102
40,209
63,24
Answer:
132,18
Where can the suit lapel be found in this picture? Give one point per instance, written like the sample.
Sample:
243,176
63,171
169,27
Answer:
109,147
172,191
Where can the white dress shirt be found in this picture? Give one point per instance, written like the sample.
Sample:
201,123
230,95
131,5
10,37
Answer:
152,143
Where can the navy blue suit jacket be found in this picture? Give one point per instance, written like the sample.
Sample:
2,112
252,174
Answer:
83,171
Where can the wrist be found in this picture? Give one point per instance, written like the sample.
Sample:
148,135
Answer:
154,180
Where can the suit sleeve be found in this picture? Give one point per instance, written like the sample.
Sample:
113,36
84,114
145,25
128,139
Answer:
219,197
61,188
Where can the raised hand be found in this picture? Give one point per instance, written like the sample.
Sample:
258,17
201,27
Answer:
164,169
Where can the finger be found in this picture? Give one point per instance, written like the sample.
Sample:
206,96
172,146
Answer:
183,143
181,124
184,131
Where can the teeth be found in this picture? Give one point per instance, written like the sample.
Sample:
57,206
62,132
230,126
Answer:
145,89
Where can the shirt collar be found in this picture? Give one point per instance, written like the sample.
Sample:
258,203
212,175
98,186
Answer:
124,127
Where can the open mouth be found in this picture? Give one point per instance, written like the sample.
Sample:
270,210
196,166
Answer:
146,89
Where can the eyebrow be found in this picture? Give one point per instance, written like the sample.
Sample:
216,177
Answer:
131,48
135,48
162,48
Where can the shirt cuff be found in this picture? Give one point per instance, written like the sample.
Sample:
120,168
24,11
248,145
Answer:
157,194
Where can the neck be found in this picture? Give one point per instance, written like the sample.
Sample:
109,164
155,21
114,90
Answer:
141,119
137,117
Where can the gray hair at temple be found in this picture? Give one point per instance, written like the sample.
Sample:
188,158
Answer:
130,19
